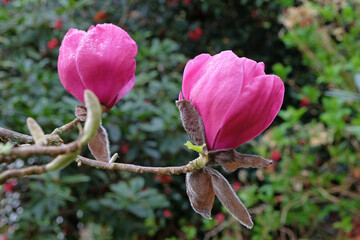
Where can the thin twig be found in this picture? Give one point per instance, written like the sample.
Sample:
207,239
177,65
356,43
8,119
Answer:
287,232
8,134
215,231
20,173
27,151
292,204
173,170
5,140
52,138
66,127
343,191
328,196
258,210
66,153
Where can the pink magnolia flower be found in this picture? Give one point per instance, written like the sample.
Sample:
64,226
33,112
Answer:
228,101
101,59
235,98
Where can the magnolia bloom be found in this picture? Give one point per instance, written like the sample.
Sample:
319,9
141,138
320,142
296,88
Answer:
235,98
101,60
226,101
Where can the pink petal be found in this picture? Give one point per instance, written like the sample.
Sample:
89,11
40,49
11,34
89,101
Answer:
252,69
68,73
251,113
124,90
212,89
191,73
105,62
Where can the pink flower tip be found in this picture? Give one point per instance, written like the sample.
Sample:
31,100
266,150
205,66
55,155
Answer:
101,60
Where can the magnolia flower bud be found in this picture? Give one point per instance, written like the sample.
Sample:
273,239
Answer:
101,60
235,98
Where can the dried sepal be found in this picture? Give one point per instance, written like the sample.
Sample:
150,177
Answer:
228,198
200,192
192,121
80,112
230,160
99,145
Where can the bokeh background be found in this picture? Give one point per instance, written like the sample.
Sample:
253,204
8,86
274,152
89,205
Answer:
313,190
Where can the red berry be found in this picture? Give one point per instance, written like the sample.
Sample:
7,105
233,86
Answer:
52,43
305,102
167,213
58,23
164,179
9,186
236,186
276,155
124,149
100,16
278,198
195,34
219,218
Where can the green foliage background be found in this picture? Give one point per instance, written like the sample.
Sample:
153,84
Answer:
313,192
